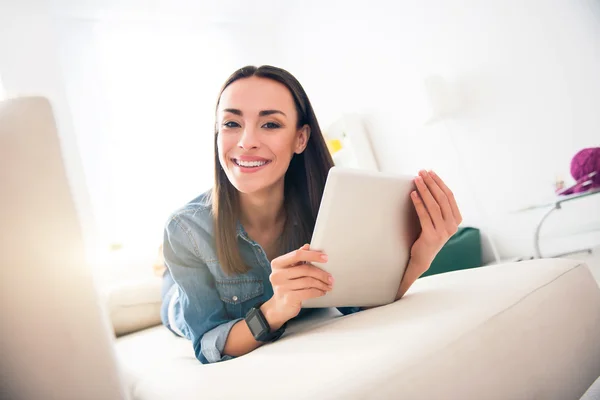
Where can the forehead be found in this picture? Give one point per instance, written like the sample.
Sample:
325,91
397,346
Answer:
251,95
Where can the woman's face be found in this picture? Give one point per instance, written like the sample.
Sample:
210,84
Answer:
257,133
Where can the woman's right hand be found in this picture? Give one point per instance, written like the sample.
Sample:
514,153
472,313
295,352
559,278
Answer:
295,280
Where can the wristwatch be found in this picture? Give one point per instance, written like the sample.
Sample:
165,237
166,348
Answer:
260,327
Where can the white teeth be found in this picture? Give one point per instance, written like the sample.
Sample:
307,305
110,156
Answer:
250,164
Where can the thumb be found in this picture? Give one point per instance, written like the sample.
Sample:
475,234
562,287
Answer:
305,247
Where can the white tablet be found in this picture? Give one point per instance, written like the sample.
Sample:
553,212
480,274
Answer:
366,225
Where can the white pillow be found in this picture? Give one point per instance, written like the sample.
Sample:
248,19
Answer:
134,305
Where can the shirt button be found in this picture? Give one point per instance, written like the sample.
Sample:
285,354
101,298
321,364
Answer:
234,298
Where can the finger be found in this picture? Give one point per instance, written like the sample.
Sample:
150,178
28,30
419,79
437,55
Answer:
279,276
424,218
302,295
307,283
431,205
439,196
305,247
449,195
282,275
298,256
309,270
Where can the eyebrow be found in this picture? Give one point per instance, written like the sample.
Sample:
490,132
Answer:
262,113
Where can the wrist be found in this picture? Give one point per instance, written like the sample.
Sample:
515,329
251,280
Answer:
413,271
274,318
417,267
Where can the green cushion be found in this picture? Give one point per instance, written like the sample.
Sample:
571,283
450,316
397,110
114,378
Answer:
462,251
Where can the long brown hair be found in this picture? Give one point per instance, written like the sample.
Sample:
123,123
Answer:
303,182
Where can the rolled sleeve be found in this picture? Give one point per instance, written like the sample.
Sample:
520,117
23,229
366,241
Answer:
213,342
200,314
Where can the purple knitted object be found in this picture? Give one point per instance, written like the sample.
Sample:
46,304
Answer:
585,163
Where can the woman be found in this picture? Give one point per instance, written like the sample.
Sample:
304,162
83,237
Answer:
239,250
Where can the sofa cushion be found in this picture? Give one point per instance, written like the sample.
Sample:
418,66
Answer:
522,330
593,393
133,305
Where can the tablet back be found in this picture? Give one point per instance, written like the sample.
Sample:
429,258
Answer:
366,225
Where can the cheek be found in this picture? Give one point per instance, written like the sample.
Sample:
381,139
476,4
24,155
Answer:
222,149
284,149
224,144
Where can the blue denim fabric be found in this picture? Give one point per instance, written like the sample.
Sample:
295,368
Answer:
209,302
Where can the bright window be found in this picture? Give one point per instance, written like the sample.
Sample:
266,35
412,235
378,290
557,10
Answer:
142,97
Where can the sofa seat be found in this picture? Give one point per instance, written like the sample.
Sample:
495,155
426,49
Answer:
528,330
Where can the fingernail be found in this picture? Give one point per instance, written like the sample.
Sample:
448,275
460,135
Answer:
331,279
419,179
422,172
432,173
414,195
324,257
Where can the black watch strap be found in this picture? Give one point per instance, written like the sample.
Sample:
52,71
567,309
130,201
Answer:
259,326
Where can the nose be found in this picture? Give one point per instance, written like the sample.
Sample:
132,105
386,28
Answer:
249,139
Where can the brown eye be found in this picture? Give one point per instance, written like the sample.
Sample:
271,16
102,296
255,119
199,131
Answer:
271,125
231,124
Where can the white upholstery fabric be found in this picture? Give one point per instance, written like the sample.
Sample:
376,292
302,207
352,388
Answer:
593,393
514,331
133,305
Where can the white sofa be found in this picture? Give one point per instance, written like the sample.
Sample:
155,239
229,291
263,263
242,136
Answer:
528,330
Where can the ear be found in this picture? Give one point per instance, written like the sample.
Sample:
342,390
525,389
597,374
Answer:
302,136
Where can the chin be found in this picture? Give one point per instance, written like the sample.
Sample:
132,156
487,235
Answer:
247,187
254,184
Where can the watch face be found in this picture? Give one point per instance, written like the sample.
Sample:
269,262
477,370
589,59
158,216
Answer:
255,325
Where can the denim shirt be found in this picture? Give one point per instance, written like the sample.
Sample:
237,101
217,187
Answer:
209,302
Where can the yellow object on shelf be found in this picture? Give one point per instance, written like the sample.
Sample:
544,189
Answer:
334,145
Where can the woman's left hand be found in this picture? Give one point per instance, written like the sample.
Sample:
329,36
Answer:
439,217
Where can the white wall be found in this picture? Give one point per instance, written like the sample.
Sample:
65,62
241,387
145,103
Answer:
2,92
528,71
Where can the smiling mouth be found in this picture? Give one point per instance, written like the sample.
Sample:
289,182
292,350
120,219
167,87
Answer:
250,164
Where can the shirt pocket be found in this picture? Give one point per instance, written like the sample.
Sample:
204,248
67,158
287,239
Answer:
240,294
